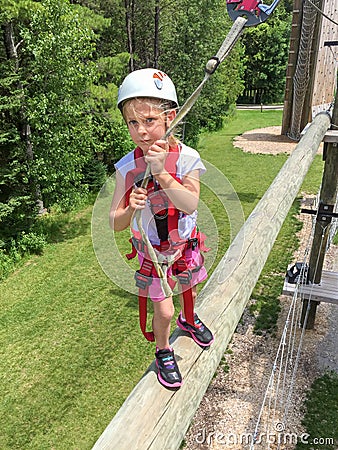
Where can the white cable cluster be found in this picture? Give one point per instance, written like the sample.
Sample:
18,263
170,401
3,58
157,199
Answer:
278,395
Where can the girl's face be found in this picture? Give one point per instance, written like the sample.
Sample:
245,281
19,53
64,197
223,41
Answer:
147,122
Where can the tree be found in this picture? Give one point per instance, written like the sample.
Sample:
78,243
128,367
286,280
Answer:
19,194
44,95
266,51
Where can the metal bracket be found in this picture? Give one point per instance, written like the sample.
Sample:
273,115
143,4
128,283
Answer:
297,273
324,213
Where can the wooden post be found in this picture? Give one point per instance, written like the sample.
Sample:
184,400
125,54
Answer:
296,28
153,417
327,201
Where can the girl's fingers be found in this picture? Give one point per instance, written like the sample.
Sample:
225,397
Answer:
160,146
138,197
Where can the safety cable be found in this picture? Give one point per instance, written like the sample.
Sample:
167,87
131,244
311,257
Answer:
305,321
211,66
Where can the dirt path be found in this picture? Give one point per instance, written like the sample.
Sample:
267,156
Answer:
267,141
230,408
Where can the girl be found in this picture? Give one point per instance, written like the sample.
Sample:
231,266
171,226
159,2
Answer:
147,99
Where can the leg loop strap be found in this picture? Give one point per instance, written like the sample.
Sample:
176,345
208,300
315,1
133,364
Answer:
144,279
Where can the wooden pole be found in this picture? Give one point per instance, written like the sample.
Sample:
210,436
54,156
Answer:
153,417
327,201
296,29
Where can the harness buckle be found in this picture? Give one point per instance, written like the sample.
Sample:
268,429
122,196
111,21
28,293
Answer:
184,277
138,244
192,243
142,281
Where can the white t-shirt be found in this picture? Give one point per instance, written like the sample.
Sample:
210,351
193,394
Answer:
188,160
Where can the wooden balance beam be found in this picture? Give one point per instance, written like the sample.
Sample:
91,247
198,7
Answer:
153,417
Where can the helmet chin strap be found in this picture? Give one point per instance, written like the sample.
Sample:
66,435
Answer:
166,122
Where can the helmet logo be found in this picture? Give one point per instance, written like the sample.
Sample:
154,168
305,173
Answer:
158,79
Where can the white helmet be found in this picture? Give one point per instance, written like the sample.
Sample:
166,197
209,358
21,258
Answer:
147,83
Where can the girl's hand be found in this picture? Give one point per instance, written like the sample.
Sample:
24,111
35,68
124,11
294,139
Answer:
156,156
137,198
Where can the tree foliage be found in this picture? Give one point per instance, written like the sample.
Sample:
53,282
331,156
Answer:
61,62
266,51
44,80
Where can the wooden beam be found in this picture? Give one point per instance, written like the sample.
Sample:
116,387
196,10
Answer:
153,417
326,291
331,136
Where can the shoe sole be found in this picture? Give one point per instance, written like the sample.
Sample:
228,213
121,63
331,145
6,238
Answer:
202,344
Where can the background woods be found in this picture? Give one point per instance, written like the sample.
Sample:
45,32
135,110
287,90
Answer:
61,63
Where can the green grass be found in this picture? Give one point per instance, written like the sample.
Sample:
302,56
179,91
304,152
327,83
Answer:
321,414
251,175
70,346
66,365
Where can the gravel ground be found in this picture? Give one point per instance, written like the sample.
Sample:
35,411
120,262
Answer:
230,408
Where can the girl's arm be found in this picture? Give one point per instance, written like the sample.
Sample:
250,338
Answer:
120,215
184,196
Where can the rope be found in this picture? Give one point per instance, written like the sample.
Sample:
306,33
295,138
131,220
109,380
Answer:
211,66
322,13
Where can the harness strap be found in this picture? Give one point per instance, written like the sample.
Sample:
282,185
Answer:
144,279
184,276
166,217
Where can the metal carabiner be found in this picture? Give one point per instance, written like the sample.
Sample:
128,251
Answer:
253,10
